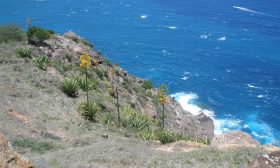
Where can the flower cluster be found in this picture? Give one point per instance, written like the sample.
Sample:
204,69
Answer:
85,61
162,99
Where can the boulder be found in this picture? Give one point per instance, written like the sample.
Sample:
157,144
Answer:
9,158
207,124
234,140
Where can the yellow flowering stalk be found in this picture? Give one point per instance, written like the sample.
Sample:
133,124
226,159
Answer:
162,100
85,60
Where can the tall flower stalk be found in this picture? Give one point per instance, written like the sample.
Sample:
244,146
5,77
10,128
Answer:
162,92
85,63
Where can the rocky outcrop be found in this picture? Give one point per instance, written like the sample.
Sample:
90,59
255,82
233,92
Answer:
234,140
271,160
207,124
9,158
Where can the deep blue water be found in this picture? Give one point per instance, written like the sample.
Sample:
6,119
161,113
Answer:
221,57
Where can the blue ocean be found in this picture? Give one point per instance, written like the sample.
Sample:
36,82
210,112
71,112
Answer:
217,57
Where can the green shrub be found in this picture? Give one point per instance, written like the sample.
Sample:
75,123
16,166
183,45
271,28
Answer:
109,118
24,52
147,135
35,146
69,86
147,85
68,57
11,33
37,35
51,31
90,111
112,92
165,136
91,83
135,120
42,62
100,73
60,67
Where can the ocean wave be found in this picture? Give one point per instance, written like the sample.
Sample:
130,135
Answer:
204,36
172,27
260,130
144,16
252,86
187,100
185,78
250,124
251,11
223,38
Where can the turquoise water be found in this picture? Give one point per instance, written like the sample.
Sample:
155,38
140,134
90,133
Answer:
221,58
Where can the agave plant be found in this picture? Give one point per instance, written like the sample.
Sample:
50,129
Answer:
24,52
133,119
69,86
90,111
42,62
147,135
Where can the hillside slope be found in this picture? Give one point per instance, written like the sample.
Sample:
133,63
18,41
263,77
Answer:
45,126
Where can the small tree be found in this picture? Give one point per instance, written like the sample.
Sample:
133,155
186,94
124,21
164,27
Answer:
37,35
162,92
147,85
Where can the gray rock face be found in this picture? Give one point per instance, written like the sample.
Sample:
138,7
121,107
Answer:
186,123
207,124
233,140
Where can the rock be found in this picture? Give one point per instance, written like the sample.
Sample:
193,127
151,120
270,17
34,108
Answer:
234,140
9,158
207,124
105,136
270,160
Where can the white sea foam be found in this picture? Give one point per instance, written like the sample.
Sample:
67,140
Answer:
144,16
260,130
185,78
223,38
172,27
204,36
221,125
251,11
252,86
260,96
165,52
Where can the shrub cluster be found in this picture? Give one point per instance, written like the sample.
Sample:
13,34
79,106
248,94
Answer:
60,67
133,119
37,35
147,85
166,136
24,52
42,62
86,86
69,86
11,33
90,111
35,146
